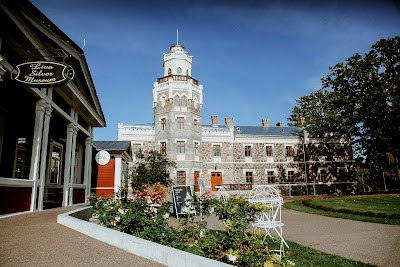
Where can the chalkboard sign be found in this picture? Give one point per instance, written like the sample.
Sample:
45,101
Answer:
182,195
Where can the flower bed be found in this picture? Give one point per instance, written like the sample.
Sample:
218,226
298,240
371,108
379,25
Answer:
136,214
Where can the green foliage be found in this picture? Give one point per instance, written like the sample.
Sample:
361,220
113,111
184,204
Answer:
150,168
235,245
360,101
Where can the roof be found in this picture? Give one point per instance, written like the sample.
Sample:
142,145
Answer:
111,145
268,131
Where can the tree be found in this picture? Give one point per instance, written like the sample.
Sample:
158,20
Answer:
360,101
151,168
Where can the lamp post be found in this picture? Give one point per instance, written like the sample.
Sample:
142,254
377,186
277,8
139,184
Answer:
304,153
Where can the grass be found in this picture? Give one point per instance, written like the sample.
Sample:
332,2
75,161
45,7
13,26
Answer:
308,257
385,206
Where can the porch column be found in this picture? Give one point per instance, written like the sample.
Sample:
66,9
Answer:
67,167
72,176
45,141
88,166
35,157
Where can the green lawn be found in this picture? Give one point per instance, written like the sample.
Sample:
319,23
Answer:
387,205
308,257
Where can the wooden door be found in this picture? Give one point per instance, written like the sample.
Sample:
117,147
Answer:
216,179
196,181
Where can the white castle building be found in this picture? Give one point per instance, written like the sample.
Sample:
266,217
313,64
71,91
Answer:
230,155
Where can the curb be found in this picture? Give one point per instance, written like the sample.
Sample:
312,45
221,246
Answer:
138,246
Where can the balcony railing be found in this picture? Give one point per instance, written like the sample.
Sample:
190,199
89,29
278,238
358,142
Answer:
178,78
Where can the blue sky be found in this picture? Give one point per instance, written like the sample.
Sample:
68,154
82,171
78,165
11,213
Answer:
254,58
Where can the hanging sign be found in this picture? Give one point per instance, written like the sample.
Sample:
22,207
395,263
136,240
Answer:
102,157
44,73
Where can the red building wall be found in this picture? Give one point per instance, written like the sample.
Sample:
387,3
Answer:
105,178
15,199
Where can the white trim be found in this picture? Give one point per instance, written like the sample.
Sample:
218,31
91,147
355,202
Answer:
15,182
244,145
117,173
250,170
180,140
271,170
273,145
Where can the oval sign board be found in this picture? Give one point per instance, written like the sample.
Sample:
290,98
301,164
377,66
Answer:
102,157
44,73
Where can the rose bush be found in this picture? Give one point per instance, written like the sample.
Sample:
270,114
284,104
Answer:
136,214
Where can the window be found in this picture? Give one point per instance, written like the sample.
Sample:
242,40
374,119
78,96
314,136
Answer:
56,158
181,147
216,150
22,159
177,101
268,150
341,174
181,177
270,177
169,72
339,150
162,100
163,148
247,151
179,71
184,101
180,122
290,176
195,122
195,102
322,175
136,149
196,148
289,151
163,124
249,177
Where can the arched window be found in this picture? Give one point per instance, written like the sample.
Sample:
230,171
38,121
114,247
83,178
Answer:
179,71
169,72
195,102
187,72
176,100
184,101
162,100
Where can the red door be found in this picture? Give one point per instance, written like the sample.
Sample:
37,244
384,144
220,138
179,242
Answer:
216,179
196,181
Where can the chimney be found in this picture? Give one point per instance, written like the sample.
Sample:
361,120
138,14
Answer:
214,120
265,122
280,124
229,122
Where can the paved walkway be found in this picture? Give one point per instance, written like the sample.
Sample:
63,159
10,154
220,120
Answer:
35,239
372,243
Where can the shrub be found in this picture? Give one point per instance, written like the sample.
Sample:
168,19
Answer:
135,214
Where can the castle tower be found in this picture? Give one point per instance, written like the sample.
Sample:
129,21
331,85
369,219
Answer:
177,104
